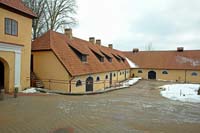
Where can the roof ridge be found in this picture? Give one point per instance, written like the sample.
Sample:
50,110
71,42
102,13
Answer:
50,38
163,51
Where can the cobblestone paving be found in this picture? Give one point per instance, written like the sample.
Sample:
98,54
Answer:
139,109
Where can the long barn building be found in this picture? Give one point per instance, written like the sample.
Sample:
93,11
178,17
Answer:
179,65
66,63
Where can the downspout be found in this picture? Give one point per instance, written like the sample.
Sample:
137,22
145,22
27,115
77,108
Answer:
70,84
117,76
185,76
125,74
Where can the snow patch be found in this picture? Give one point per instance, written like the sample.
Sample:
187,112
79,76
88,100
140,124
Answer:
30,90
183,60
181,92
131,81
131,64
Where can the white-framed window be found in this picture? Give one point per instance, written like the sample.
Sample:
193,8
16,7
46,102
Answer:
140,71
98,78
78,83
165,72
114,74
194,74
106,77
11,27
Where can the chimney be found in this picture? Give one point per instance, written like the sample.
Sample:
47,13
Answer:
110,46
180,49
98,42
135,50
68,33
92,40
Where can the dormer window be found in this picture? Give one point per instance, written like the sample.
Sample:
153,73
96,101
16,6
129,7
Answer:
99,57
11,27
82,57
117,58
121,58
107,57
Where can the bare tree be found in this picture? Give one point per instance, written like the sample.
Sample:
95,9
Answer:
59,13
38,7
52,14
149,47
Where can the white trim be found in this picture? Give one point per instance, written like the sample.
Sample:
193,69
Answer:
10,48
17,69
17,51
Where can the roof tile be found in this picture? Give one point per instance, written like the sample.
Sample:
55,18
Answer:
19,6
60,45
188,59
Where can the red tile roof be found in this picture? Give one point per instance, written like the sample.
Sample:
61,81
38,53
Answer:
17,5
188,59
60,45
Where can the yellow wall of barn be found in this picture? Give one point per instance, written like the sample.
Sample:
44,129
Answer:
102,84
48,68
23,38
192,79
173,75
52,73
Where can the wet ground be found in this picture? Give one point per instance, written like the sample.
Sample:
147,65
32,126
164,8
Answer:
139,109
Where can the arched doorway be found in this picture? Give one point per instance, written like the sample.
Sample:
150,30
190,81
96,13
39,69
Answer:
2,77
110,79
89,84
151,75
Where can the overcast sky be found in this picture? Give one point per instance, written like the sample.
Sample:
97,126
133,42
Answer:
129,24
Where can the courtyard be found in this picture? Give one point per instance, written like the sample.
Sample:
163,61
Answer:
137,109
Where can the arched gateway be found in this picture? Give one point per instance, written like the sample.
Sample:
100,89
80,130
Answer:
151,75
2,75
89,84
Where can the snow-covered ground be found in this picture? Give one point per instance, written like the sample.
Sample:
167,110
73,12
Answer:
181,92
30,90
127,83
131,81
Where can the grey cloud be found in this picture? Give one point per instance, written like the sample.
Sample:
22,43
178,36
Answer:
154,24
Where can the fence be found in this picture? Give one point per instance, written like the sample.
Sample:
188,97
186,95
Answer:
67,84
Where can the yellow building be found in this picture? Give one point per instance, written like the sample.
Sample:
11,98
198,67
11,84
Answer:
15,44
179,65
66,63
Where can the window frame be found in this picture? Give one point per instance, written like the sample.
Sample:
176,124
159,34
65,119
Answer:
194,74
139,71
97,79
78,83
106,77
107,57
165,72
12,22
80,55
114,74
83,58
99,57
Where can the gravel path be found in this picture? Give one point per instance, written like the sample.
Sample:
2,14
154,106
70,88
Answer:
137,109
